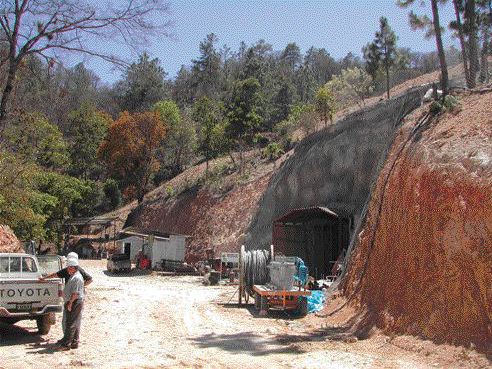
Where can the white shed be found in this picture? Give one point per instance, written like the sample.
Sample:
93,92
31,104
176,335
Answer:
157,246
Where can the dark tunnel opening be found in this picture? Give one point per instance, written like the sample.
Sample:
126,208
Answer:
317,235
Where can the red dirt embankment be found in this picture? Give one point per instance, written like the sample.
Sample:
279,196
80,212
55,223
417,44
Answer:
425,266
213,220
8,241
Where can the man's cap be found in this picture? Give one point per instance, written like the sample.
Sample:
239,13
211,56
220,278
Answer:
73,255
72,262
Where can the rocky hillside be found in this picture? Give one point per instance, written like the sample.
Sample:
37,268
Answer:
219,214
422,263
8,241
214,211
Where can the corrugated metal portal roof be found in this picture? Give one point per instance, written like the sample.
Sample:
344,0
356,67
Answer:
297,214
133,231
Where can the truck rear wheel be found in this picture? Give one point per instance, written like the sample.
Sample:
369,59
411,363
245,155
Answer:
302,306
44,324
257,302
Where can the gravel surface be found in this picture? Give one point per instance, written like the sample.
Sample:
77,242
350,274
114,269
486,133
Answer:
151,321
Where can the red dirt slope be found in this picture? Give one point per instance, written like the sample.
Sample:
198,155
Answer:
8,241
425,266
212,219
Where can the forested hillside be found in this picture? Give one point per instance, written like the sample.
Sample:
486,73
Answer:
74,146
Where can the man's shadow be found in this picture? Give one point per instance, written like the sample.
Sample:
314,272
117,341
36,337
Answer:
43,348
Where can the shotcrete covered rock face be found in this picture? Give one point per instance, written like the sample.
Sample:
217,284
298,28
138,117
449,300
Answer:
334,167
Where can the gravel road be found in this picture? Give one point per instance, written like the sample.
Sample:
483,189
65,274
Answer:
150,321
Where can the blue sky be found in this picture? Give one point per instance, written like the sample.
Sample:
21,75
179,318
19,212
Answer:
339,26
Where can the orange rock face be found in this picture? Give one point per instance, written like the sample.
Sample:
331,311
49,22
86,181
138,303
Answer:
8,241
423,264
217,222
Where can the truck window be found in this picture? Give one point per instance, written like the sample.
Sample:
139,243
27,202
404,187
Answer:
4,265
15,265
49,264
28,265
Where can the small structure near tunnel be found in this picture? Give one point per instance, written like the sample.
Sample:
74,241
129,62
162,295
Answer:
158,247
317,235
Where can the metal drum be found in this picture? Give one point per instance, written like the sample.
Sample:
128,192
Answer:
282,275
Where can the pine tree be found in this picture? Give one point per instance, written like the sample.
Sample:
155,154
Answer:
432,28
381,53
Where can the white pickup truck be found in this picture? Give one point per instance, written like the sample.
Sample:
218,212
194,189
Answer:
23,296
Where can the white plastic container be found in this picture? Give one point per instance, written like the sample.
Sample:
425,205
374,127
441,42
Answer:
282,275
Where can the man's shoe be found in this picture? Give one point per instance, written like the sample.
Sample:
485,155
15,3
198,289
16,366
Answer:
62,348
74,345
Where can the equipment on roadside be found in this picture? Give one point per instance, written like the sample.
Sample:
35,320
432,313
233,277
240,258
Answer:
274,282
119,263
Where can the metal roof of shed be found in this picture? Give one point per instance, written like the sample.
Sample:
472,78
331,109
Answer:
297,214
133,231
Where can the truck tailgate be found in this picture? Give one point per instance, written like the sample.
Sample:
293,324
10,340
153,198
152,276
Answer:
28,295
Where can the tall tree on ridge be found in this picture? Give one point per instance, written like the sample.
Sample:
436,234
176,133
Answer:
485,25
207,68
458,26
432,28
382,51
143,85
244,118
325,104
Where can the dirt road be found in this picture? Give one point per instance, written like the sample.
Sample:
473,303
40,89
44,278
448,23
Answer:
149,321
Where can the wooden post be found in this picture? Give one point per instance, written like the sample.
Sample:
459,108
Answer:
241,276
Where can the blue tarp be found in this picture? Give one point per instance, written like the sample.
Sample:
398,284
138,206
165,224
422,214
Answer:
316,301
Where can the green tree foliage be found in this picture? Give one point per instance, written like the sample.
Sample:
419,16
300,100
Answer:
112,195
283,100
208,114
325,104
143,85
34,139
350,61
178,148
243,115
273,151
207,68
381,52
88,127
351,86
305,117
16,196
290,58
317,69
34,201
63,197
169,112
183,91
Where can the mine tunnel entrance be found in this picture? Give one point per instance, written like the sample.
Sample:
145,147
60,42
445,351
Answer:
317,235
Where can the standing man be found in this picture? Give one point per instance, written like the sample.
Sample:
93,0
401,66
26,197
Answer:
63,273
73,297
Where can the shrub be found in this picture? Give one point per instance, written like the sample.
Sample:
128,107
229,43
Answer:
435,107
451,103
273,151
169,191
